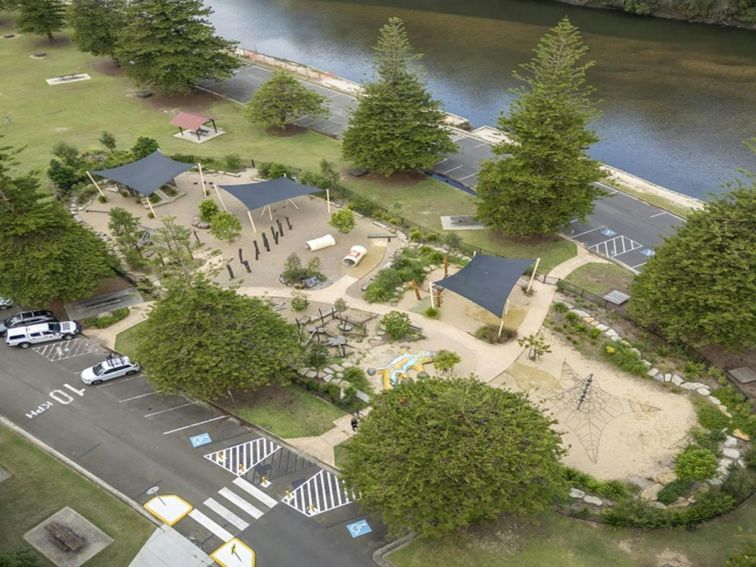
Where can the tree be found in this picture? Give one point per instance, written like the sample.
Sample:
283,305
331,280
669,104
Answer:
127,232
536,344
282,100
225,226
41,17
437,454
695,287
208,209
170,45
44,253
143,147
96,25
174,251
108,140
544,177
203,340
397,125
445,360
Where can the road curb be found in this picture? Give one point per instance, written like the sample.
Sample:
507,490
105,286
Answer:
379,555
79,469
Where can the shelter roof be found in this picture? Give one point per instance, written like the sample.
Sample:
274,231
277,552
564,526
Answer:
148,174
190,120
487,281
256,195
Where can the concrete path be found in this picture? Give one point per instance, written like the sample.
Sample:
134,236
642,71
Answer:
168,548
107,336
322,447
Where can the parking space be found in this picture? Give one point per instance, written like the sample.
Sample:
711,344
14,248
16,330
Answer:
62,350
463,166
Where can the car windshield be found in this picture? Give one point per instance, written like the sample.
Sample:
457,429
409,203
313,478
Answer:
98,369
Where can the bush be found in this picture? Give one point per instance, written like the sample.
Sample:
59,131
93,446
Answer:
299,302
208,209
225,226
560,307
103,322
340,305
294,272
613,490
711,418
445,360
432,312
696,463
490,334
343,220
363,206
740,483
233,162
317,356
383,286
397,325
143,147
273,170
623,357
357,378
102,199
671,492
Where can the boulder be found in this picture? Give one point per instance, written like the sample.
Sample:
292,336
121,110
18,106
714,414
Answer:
653,372
328,370
703,391
580,313
639,481
692,385
665,477
713,400
576,493
668,377
371,371
651,492
612,334
677,380
730,441
601,327
657,504
311,374
659,378
595,500
731,453
338,367
636,351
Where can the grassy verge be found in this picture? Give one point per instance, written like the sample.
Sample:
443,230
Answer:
288,412
552,539
125,342
340,452
600,278
41,485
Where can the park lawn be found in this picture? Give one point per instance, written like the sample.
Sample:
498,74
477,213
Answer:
125,342
553,539
340,452
287,411
41,485
600,278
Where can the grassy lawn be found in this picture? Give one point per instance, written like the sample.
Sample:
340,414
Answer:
600,278
553,539
340,451
41,485
125,342
288,412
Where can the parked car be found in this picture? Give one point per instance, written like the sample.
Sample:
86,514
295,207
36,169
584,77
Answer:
25,318
5,303
24,337
112,367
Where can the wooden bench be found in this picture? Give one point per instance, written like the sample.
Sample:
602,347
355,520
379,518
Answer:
65,537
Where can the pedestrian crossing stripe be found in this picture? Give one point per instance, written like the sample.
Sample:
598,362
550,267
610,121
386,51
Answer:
241,458
320,493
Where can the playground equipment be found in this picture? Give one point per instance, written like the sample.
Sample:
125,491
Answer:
355,256
398,368
320,243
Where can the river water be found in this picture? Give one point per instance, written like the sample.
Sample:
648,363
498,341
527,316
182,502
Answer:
677,99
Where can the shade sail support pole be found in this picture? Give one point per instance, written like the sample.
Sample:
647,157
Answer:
328,200
433,300
293,204
95,184
533,275
202,179
504,313
249,214
217,192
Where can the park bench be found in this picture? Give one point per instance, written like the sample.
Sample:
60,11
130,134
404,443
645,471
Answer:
65,537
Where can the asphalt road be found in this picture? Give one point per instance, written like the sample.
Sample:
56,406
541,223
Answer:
621,227
134,439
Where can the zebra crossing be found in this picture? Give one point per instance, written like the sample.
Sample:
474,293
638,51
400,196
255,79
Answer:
239,459
232,511
69,349
320,493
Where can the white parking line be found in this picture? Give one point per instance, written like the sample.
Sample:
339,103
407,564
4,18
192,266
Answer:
116,382
658,214
226,514
587,231
137,397
452,169
638,265
211,526
194,425
167,410
467,177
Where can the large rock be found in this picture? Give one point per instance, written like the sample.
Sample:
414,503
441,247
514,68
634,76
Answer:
741,435
601,327
577,493
311,374
651,492
703,391
692,385
730,441
731,453
677,379
653,372
580,313
665,477
612,334
595,500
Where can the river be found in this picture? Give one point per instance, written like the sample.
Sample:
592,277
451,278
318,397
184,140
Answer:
677,99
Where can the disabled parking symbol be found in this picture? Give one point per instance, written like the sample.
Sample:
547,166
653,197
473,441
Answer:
608,232
648,252
359,528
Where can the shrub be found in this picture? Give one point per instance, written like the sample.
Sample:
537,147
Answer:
273,170
208,209
560,307
294,272
711,418
317,356
383,286
397,325
637,513
432,312
490,334
357,378
416,235
143,147
102,199
623,357
613,490
694,369
363,205
740,483
233,162
343,220
445,360
594,333
299,302
696,463
103,322
225,226
671,492
340,305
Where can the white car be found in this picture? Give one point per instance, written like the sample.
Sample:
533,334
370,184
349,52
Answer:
112,367
24,337
5,303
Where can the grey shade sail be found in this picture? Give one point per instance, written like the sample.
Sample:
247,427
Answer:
256,195
487,281
148,174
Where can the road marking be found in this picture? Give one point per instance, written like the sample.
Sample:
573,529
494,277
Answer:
110,383
481,145
658,214
256,492
638,265
210,525
240,503
615,246
452,169
226,514
194,425
137,397
467,177
587,231
320,493
169,409
238,459
69,349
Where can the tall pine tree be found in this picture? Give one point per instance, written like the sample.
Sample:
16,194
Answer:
544,177
397,125
170,45
44,253
282,100
96,24
41,17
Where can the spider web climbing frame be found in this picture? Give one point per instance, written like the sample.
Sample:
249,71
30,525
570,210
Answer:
588,418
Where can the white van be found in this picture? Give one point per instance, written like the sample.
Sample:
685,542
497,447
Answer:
24,337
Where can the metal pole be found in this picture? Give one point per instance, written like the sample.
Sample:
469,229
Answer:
95,184
202,179
217,192
249,214
150,205
328,200
433,301
532,276
501,325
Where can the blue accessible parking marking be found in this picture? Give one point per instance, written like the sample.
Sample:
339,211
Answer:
359,528
199,440
648,252
608,232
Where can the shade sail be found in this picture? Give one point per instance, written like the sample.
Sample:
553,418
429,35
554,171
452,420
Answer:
190,120
487,281
148,174
256,195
